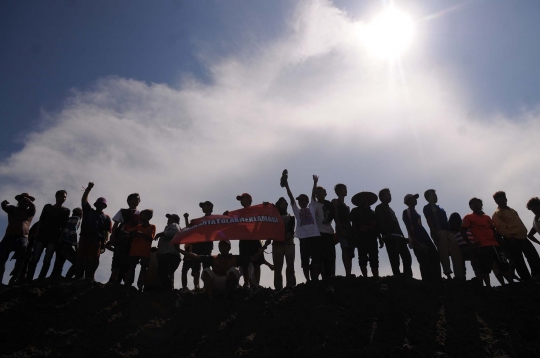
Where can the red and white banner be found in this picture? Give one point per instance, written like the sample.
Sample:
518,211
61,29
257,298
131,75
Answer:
258,222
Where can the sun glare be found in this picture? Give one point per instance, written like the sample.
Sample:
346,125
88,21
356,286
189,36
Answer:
389,34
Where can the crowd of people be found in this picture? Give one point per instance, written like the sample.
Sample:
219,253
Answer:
500,243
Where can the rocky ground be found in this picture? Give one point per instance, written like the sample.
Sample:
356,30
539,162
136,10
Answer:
340,317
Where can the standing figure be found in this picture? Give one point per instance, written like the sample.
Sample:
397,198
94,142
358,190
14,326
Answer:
48,236
120,244
364,224
95,230
395,242
509,225
67,249
168,258
489,251
343,227
16,236
324,214
443,237
424,250
141,248
284,251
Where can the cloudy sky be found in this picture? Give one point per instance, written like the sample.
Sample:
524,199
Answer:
186,101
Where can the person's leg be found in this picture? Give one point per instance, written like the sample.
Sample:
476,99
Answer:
441,242
207,279
458,264
347,254
278,256
373,257
243,247
145,262
532,256
290,253
196,273
130,272
363,255
84,243
434,262
162,271
304,258
39,246
392,249
420,257
502,262
5,250
92,258
59,261
406,257
185,269
49,252
514,249
173,264
20,253
315,253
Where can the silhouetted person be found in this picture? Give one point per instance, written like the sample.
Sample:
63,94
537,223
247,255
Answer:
142,236
395,242
120,243
324,214
534,206
284,251
364,224
67,248
509,225
16,236
202,248
48,235
467,245
344,232
424,250
95,230
443,237
168,257
489,251
308,234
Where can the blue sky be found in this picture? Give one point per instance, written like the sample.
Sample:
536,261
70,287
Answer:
194,72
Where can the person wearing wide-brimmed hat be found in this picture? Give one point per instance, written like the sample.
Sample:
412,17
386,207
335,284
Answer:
48,233
424,249
95,230
16,236
395,242
364,224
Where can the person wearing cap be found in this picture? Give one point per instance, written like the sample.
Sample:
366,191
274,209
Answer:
364,224
168,257
120,243
423,247
489,250
324,214
95,230
223,276
48,234
442,236
395,242
343,227
509,225
308,233
16,236
140,252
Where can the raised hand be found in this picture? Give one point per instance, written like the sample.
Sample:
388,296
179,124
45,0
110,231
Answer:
315,179
90,185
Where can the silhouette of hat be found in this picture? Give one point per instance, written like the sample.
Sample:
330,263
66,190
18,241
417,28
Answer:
205,203
370,197
408,196
101,200
173,216
25,195
243,195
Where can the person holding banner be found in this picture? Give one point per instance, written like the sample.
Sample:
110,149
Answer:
224,276
308,233
284,250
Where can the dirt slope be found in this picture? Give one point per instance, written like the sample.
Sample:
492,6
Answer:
339,317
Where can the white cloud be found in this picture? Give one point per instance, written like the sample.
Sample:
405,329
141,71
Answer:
311,101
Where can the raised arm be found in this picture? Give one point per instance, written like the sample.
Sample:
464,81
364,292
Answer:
289,193
531,237
315,181
5,204
186,219
84,199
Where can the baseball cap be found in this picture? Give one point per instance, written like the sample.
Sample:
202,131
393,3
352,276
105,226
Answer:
243,195
408,196
175,217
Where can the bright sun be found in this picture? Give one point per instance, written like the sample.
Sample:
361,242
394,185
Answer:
389,34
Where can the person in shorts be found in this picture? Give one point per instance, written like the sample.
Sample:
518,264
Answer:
324,214
489,251
308,233
16,236
364,224
343,227
221,275
142,236
120,243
